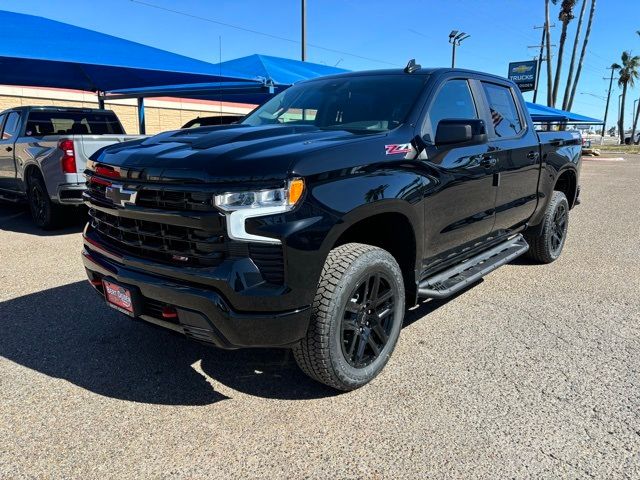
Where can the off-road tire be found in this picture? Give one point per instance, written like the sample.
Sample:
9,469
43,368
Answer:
321,353
541,248
46,214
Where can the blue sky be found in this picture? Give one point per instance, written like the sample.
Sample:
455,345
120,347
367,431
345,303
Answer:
386,33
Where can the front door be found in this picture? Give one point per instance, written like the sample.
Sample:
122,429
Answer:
8,132
459,205
516,147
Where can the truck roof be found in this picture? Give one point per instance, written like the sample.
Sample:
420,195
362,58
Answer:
53,108
421,71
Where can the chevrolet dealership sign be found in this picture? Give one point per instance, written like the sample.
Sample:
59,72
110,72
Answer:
524,74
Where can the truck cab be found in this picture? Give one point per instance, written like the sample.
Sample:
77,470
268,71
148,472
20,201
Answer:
326,212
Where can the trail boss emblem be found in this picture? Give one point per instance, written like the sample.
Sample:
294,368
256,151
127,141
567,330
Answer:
397,148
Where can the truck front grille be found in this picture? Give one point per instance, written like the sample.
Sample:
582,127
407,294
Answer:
160,198
159,241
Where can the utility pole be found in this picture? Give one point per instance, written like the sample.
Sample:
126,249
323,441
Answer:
606,108
540,57
544,36
455,39
304,31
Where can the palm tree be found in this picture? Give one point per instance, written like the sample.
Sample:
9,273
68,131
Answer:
582,55
565,16
635,118
628,73
572,65
548,45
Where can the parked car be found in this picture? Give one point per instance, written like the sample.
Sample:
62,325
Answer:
627,140
212,121
43,153
327,212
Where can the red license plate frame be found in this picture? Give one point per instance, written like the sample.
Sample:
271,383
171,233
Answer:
118,297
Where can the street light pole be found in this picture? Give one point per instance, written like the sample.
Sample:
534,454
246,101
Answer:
304,31
455,39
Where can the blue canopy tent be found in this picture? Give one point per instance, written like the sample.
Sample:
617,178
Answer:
36,51
263,77
542,114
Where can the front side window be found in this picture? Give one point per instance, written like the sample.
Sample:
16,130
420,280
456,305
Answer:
375,103
504,114
11,126
453,101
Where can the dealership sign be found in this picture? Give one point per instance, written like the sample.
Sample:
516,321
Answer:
524,74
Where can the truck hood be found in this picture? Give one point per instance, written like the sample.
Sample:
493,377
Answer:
227,153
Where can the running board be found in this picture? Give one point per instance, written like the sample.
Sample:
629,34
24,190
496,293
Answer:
454,279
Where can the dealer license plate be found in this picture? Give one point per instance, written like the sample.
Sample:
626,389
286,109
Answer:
118,297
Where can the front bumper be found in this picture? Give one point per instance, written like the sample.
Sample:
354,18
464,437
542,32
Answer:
202,313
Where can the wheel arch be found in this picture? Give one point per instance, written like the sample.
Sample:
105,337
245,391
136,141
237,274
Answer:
392,226
567,183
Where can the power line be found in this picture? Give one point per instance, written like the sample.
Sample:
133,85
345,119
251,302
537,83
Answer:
257,32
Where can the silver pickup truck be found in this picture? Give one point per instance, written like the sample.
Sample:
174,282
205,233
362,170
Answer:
43,153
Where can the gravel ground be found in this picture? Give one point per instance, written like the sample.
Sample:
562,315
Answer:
532,373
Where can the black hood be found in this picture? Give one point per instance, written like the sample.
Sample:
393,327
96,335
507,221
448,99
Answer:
226,153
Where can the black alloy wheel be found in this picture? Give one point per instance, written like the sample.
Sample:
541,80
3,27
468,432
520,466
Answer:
368,320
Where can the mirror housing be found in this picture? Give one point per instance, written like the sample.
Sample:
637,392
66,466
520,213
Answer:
459,131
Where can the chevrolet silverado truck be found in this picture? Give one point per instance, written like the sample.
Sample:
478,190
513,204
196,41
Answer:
315,222
43,154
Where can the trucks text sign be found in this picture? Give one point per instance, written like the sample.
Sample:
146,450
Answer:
524,74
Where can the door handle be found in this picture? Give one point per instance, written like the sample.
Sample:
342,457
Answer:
8,149
488,161
532,155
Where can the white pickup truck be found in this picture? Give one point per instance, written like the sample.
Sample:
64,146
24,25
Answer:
43,153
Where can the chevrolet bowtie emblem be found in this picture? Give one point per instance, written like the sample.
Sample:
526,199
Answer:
118,195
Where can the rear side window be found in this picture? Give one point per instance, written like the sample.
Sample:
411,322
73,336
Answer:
42,123
504,114
454,100
2,117
11,126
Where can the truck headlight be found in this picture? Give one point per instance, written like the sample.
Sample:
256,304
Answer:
239,206
280,197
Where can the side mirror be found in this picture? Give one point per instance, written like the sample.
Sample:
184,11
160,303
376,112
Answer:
455,131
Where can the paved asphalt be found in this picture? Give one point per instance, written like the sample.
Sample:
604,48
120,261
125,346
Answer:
532,373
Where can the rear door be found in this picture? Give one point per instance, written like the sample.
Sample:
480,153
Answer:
8,135
460,212
515,145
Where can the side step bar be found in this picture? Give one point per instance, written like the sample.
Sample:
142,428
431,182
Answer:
454,279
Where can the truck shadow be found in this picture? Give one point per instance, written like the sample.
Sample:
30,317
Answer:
15,217
67,332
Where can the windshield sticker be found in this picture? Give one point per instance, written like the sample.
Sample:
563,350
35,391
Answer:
397,148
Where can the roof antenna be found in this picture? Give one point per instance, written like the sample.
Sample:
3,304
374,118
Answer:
412,66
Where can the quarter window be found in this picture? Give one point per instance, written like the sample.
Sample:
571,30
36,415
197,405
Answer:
504,114
454,100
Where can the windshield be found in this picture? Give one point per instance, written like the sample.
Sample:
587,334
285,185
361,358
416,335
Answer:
360,103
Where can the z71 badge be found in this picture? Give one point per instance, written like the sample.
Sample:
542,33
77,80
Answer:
397,148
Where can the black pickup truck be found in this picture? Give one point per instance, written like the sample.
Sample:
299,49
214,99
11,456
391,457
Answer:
315,222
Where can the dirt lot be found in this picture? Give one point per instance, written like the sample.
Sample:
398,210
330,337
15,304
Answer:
534,372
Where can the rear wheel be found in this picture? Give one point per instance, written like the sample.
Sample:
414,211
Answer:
44,212
546,246
356,318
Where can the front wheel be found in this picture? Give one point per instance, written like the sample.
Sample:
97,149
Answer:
356,317
546,246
